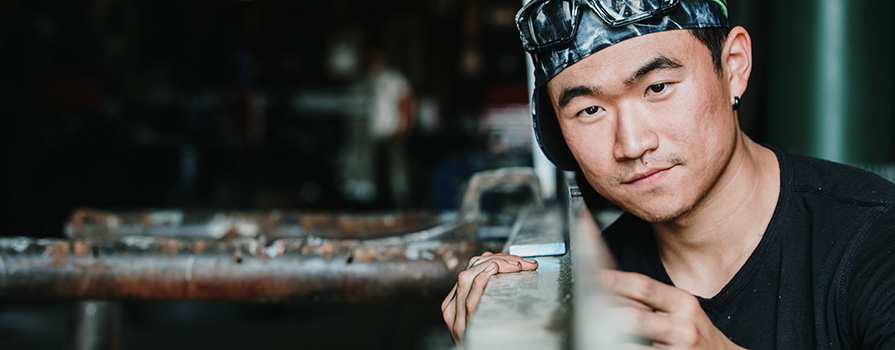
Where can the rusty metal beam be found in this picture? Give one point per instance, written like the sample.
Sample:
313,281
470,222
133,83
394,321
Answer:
241,224
277,255
137,267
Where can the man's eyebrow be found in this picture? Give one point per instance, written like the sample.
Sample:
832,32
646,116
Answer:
658,62
569,93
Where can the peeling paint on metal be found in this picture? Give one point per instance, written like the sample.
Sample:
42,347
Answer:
138,241
254,248
17,244
275,249
81,248
416,249
168,268
364,254
57,251
246,228
199,247
158,218
218,226
170,246
45,241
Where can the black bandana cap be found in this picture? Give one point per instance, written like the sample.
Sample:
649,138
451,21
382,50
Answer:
594,35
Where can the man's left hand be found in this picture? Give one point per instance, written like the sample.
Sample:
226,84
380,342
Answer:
664,316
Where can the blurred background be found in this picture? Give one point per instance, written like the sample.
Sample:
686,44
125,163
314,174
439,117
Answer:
266,104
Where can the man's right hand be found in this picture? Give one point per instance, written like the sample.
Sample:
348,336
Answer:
463,299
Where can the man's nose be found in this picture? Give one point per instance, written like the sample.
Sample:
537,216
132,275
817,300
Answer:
635,134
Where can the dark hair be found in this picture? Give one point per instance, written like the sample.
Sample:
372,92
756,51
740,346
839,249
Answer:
714,39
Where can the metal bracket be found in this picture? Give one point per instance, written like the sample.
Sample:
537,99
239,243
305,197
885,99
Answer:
503,178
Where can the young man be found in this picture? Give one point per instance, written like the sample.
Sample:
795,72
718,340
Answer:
725,243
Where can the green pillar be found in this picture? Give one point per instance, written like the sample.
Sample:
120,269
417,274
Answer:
830,79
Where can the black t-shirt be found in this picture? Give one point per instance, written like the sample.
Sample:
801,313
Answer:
823,275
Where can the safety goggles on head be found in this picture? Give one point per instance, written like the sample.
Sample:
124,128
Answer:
547,23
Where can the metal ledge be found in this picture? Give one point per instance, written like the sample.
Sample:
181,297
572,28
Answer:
544,309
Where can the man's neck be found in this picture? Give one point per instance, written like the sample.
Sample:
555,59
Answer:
703,249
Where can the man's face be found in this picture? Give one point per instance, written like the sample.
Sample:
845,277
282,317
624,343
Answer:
650,122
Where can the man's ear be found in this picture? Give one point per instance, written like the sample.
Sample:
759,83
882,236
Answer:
737,59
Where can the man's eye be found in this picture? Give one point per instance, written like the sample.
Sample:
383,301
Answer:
591,110
657,88
589,113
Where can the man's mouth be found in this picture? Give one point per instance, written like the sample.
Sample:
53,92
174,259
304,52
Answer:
646,177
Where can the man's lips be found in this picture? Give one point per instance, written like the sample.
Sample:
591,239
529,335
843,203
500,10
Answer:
646,176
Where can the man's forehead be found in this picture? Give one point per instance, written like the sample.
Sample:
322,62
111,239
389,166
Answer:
593,34
617,63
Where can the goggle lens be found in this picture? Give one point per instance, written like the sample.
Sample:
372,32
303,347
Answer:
545,23
620,12
548,23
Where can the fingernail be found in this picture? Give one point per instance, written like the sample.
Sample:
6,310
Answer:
530,261
491,266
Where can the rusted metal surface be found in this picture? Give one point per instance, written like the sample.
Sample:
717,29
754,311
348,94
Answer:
233,269
271,224
277,255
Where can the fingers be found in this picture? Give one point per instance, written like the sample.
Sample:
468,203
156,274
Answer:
457,328
478,287
662,314
464,297
473,262
623,302
449,313
512,265
649,325
449,310
470,287
506,262
464,286
450,297
661,328
648,291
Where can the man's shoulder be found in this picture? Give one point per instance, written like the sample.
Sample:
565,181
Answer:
844,182
836,203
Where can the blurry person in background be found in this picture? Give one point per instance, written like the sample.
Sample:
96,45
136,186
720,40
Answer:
392,112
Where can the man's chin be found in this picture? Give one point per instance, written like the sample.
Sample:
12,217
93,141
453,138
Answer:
660,215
